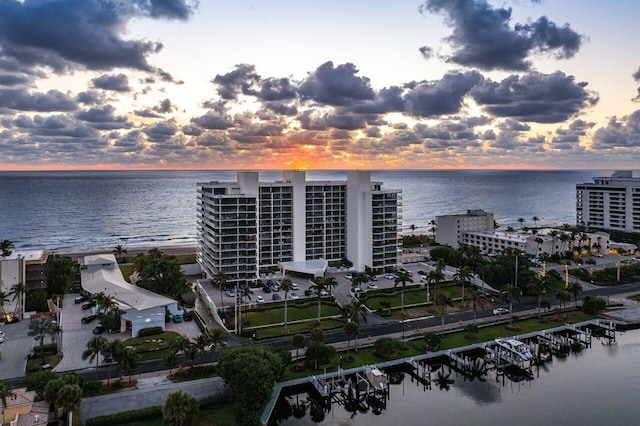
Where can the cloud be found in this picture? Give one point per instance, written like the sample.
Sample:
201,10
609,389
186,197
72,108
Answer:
570,137
213,121
13,79
482,36
619,133
337,86
513,125
103,118
67,34
235,82
536,97
116,83
22,100
161,132
441,97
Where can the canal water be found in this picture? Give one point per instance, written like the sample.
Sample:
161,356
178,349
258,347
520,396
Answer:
599,385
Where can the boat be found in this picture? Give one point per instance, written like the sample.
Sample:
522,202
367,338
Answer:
516,347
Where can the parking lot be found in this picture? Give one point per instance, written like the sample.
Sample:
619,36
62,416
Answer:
15,348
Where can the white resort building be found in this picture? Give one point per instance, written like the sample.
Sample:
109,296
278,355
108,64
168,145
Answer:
248,226
142,308
451,228
610,202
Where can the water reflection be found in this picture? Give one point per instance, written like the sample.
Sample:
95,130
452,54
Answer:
572,386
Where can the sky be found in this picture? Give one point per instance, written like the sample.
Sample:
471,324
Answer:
332,84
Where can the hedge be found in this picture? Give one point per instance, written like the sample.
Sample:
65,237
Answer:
148,413
150,331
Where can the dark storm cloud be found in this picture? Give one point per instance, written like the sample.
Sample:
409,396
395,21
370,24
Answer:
213,121
441,97
276,89
22,100
13,79
619,133
238,81
482,36
541,98
513,125
63,34
281,108
103,118
570,137
161,132
339,86
164,107
113,82
90,97
386,100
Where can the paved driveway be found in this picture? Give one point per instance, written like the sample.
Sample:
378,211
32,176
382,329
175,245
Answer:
17,345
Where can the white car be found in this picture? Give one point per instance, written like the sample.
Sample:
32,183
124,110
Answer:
372,286
349,276
500,311
390,276
294,296
295,286
260,299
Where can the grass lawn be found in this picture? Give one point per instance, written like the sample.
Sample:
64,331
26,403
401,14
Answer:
219,416
297,311
127,270
412,295
458,339
152,347
297,328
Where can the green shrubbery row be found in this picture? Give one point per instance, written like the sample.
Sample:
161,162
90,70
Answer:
151,331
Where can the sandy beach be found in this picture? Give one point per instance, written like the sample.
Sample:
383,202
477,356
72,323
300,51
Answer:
132,252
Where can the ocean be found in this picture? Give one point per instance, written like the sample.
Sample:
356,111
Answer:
74,211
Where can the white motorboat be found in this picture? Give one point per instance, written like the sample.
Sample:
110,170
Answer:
516,347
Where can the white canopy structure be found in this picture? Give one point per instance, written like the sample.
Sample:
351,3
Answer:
315,267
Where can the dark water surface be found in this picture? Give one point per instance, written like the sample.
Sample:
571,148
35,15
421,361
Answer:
72,211
598,386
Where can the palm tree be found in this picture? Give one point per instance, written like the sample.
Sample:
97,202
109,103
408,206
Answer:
521,221
69,399
575,289
512,292
214,339
128,362
297,342
463,276
18,291
285,285
246,292
475,299
563,296
119,251
319,286
5,393
180,408
553,234
351,331
95,347
413,228
538,241
5,248
171,360
539,285
444,300
192,351
220,279
435,276
354,312
357,281
402,278
433,227
39,328
111,352
180,344
535,220
4,298
330,283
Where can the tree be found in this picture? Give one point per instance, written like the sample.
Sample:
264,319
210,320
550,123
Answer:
444,300
463,276
18,291
521,221
354,312
112,351
538,241
433,227
285,285
119,251
575,289
5,248
435,276
69,399
180,344
250,372
128,361
432,341
192,352
402,278
512,293
540,284
220,279
4,298
475,299
413,228
37,381
563,297
171,360
95,347
319,286
180,408
297,342
351,331
39,328
316,335
535,220
6,392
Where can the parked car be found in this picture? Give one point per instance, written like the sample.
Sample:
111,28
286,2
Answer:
276,296
596,254
99,329
276,286
310,293
188,316
231,293
372,277
266,289
176,318
79,299
88,319
422,273
500,311
324,292
260,299
86,306
295,286
372,286
294,296
390,276
348,276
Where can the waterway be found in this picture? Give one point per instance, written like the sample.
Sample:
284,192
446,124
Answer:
597,386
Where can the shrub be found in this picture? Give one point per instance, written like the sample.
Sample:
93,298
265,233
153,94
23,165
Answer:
151,331
319,355
387,348
93,388
196,372
432,341
125,417
593,305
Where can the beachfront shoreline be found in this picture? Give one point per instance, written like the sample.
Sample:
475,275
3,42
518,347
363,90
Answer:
132,252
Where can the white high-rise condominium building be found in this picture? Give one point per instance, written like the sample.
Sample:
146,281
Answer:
451,229
249,225
610,202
